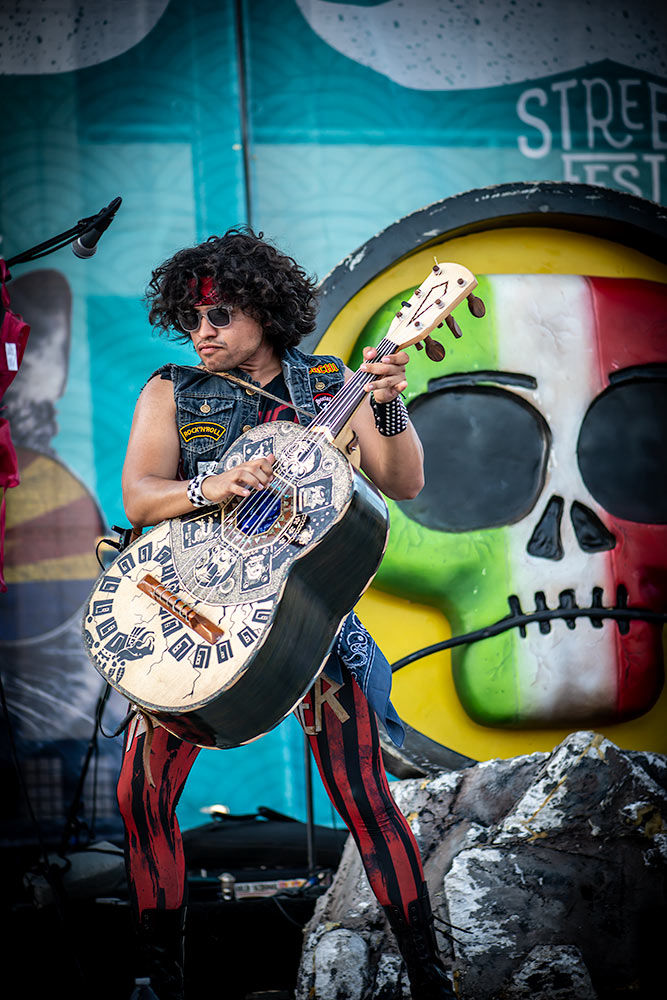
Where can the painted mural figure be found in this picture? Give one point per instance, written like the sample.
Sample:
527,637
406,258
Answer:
245,306
53,522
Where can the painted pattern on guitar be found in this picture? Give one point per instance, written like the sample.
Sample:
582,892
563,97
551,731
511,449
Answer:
226,563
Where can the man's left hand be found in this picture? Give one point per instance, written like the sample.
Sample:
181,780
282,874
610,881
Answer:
390,369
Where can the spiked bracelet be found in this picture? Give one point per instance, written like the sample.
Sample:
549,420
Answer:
390,418
195,495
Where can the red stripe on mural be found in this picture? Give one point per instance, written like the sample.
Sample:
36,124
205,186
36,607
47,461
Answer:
630,329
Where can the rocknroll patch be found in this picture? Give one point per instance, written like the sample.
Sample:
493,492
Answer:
201,429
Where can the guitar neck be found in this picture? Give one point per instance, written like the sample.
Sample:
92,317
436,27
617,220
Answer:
339,411
428,307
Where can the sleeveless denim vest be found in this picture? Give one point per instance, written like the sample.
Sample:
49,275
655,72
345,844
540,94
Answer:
211,413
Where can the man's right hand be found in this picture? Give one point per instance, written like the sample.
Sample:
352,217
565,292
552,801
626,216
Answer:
239,481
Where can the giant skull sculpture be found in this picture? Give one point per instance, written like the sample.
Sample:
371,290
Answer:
544,432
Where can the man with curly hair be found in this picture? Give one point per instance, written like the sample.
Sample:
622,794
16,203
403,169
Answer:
245,306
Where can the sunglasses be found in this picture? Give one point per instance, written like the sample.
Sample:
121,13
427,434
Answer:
190,321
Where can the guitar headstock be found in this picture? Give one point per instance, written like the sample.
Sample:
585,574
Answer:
431,305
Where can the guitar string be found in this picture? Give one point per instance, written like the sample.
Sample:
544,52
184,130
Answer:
264,500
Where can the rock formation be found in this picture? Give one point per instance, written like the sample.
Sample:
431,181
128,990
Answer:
550,870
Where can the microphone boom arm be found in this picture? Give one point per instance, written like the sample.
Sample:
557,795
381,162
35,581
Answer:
101,221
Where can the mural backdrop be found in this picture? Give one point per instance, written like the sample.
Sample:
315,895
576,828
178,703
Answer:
320,124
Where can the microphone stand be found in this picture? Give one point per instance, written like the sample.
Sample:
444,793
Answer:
99,221
310,821
72,823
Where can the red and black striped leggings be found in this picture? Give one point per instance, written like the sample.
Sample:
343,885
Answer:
347,751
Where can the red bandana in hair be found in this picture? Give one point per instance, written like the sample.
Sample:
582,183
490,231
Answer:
205,293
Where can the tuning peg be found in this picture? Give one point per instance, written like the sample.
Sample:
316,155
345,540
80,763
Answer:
434,349
419,345
453,326
476,306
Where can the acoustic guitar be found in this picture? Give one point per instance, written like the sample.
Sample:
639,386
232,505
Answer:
216,623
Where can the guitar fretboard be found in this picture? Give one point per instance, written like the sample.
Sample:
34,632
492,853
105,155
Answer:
336,414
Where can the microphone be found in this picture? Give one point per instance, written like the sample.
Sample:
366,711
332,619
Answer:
86,244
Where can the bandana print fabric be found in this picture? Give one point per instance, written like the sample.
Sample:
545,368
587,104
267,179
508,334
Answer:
204,292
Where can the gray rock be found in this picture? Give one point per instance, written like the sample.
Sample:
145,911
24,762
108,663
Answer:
550,869
552,972
341,962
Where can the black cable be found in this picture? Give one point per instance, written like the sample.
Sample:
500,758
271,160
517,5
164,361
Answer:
520,621
285,913
54,243
102,541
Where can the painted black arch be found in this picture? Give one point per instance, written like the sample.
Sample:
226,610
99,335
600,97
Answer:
620,217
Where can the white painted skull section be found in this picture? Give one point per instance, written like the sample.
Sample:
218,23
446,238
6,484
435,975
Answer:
546,329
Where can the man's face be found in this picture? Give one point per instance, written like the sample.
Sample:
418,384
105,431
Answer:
230,346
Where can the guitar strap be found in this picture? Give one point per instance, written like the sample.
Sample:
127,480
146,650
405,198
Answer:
262,392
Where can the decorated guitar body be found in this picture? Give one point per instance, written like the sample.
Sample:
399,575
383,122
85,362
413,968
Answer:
276,579
217,622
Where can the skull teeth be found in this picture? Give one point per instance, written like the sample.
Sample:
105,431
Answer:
568,610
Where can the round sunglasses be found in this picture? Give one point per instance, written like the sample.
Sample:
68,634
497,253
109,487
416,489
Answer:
218,316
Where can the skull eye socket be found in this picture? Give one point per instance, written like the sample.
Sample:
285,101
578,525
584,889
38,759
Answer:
621,450
485,452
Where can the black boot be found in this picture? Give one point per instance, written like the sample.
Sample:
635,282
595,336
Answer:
161,950
416,943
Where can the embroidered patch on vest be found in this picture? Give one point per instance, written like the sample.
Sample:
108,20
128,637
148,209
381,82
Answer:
325,368
201,429
321,399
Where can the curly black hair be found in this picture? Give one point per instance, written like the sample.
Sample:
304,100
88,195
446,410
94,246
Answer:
250,274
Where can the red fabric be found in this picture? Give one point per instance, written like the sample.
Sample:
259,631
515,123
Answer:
348,755
349,758
205,292
153,841
13,336
9,476
13,339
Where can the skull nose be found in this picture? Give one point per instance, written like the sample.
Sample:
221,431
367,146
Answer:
545,540
591,533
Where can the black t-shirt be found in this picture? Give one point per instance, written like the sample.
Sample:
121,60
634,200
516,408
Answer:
270,410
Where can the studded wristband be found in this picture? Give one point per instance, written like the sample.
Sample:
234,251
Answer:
195,495
390,418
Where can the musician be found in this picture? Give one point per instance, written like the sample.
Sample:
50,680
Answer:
245,306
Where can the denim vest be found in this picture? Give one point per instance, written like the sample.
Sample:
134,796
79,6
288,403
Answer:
211,413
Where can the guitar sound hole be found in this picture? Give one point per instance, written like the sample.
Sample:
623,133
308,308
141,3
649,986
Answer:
258,513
